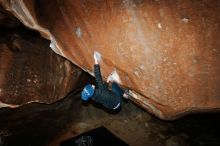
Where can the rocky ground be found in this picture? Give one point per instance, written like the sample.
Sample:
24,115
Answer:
42,124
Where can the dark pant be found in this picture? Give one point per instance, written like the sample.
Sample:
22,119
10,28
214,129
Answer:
117,90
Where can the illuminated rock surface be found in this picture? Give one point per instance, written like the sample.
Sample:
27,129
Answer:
31,72
168,52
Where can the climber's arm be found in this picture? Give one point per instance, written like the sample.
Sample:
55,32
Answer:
98,76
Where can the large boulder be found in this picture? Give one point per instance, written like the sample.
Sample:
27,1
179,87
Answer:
166,52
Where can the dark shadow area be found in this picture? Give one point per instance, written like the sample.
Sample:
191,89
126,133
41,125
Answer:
40,124
36,123
202,129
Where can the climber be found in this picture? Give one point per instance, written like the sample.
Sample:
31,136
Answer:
110,99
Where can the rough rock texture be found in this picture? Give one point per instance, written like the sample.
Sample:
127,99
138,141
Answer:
168,52
31,72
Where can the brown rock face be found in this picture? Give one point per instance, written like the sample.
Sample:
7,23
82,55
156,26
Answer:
31,72
168,52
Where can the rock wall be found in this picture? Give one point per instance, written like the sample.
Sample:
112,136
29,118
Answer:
167,52
31,72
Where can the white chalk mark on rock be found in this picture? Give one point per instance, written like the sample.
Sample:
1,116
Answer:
185,20
160,26
141,67
78,32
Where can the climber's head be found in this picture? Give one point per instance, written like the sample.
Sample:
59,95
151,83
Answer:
87,92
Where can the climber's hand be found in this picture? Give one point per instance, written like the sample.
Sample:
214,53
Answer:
97,57
126,94
114,77
96,61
